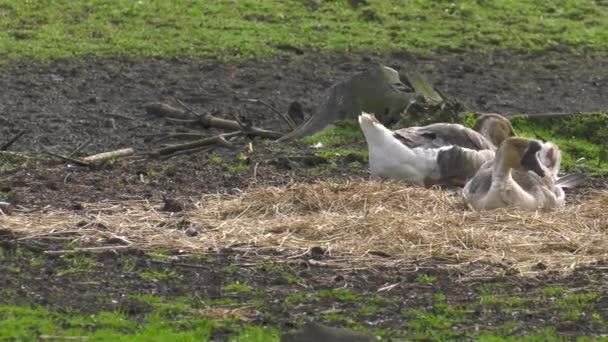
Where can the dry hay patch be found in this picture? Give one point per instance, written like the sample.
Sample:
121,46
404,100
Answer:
351,221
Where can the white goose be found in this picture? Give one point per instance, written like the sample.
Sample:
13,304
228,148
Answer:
426,156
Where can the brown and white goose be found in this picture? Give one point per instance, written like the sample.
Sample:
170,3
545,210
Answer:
523,174
439,153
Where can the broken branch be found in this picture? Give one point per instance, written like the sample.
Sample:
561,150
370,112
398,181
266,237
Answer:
285,118
80,147
65,158
105,156
207,120
12,140
218,139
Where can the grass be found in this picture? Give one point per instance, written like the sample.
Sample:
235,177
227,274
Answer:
76,263
24,323
238,288
573,306
340,294
425,278
581,138
158,275
251,28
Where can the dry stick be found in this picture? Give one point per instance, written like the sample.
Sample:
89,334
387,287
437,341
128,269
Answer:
165,110
81,147
85,249
188,151
181,120
65,158
207,120
281,115
177,136
102,157
12,140
120,116
218,139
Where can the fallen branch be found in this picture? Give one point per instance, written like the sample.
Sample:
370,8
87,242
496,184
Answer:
65,158
120,116
207,120
80,147
285,118
12,140
218,139
105,156
85,249
177,136
187,151
165,110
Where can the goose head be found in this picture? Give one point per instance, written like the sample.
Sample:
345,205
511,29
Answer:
520,154
495,127
551,157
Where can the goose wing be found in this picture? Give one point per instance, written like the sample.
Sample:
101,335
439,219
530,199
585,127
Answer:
461,163
443,134
570,181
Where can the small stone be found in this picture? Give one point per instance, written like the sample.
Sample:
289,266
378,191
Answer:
316,252
172,205
191,232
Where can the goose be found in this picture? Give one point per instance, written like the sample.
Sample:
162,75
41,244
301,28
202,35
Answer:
425,155
523,174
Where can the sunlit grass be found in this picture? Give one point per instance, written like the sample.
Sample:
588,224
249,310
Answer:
230,29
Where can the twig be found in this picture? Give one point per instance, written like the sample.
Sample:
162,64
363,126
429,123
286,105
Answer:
207,120
188,151
177,136
85,249
240,122
81,147
286,119
120,116
102,157
12,140
65,158
218,139
178,264
186,121
189,109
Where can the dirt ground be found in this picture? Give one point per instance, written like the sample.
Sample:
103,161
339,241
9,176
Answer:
65,103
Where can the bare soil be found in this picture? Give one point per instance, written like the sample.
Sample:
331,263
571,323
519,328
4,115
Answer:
65,103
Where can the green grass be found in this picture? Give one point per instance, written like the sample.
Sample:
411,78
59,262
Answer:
22,323
254,28
76,263
573,306
295,298
488,299
552,291
425,278
337,141
158,275
341,294
582,138
238,288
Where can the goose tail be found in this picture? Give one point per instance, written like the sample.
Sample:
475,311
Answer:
571,181
374,131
